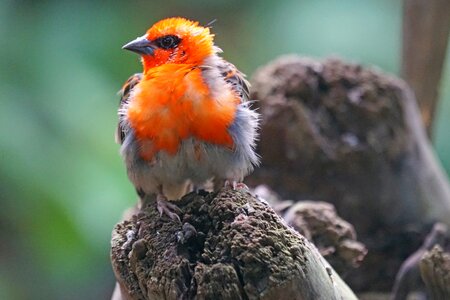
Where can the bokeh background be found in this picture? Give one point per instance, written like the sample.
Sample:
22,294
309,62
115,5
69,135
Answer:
62,182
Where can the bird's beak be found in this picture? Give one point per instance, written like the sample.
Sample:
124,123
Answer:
141,46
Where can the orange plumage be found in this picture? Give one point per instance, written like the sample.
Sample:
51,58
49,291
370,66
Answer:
188,109
168,118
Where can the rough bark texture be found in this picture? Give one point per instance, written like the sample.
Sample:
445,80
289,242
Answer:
352,136
230,245
318,222
408,281
334,237
426,28
435,270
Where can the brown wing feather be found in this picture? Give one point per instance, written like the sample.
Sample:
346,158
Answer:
124,97
236,79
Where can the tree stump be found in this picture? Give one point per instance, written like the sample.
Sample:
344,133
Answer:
352,136
230,246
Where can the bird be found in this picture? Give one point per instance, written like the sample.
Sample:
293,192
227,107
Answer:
186,119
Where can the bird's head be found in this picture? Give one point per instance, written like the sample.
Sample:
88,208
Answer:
174,41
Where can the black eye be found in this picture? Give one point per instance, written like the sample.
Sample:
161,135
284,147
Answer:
168,41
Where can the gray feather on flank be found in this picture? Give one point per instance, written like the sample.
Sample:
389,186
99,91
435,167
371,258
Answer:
244,133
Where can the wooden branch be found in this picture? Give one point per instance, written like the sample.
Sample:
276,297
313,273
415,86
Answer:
408,281
435,270
426,28
230,246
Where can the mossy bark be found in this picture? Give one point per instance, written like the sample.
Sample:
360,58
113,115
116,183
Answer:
230,245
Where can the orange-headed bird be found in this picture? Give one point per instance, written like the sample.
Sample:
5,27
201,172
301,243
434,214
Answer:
186,119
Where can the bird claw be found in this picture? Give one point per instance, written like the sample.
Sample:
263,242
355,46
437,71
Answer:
165,207
236,185
241,185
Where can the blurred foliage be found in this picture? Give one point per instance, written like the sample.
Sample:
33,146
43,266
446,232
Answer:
62,182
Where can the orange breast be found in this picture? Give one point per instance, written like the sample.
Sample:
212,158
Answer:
172,103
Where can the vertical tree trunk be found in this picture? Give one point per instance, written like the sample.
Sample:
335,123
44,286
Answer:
426,27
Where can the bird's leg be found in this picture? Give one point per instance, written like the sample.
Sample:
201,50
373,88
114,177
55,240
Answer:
230,183
238,185
165,207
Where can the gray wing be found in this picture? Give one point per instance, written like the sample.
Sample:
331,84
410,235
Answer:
236,79
124,98
243,130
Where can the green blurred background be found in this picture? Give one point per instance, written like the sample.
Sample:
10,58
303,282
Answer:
62,182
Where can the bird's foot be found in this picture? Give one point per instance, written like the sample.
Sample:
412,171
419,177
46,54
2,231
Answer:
165,207
243,186
236,185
